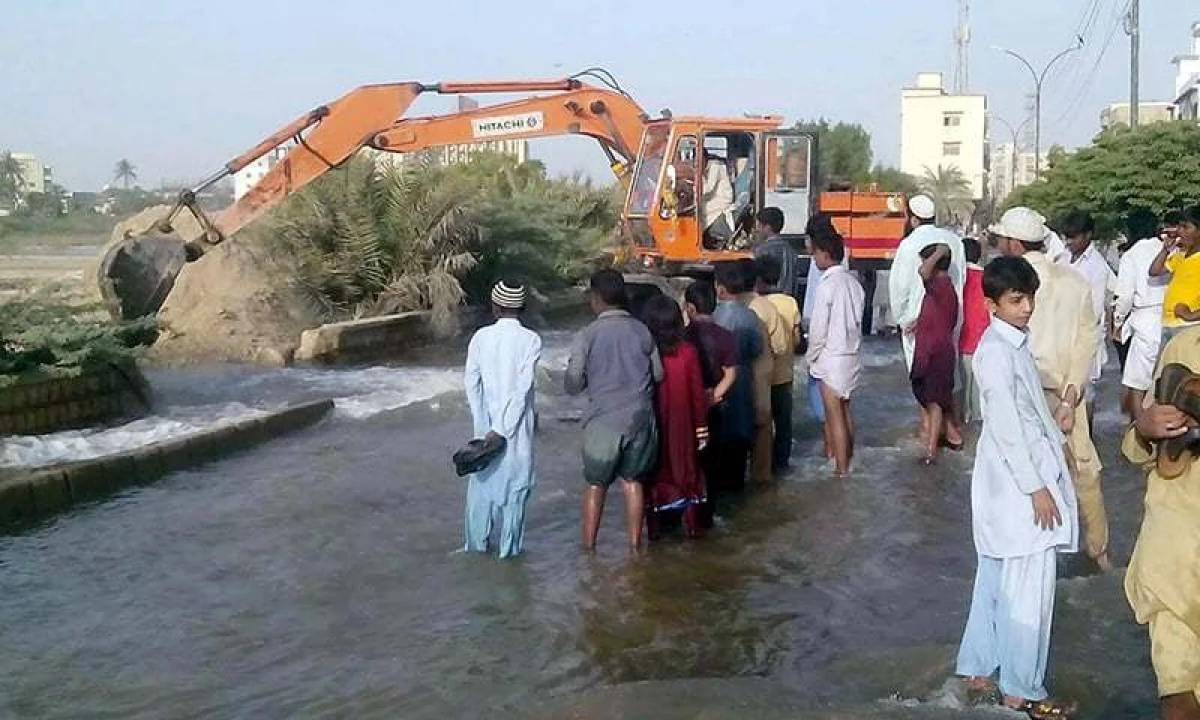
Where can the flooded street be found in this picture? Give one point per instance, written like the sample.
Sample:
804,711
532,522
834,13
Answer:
317,576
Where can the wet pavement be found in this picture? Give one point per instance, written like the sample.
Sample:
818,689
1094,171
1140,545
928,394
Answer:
317,576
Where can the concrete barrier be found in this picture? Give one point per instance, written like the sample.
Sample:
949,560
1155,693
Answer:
52,404
392,336
29,495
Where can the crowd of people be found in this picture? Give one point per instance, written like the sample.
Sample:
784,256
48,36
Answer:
695,394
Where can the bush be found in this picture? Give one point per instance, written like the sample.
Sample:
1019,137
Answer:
367,240
41,336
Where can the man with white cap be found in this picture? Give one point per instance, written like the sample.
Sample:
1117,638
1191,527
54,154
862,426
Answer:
1063,335
906,289
501,362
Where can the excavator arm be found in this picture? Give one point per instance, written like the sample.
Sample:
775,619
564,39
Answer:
372,116
139,267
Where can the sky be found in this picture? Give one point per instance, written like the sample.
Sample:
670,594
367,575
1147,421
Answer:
179,87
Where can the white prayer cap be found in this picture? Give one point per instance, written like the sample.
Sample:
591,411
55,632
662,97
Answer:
1021,223
509,297
922,206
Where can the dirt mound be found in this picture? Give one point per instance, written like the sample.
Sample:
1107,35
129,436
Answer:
232,304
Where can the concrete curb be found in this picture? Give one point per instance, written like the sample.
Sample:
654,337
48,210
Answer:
38,493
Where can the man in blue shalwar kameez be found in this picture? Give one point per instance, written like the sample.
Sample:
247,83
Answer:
501,362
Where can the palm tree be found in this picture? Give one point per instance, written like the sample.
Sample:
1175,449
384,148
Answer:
12,179
951,193
125,173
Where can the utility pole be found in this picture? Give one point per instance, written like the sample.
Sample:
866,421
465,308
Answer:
1038,80
1133,27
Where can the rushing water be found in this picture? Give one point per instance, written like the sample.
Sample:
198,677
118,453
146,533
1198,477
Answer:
317,576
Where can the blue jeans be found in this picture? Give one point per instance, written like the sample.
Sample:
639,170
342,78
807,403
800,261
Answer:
815,404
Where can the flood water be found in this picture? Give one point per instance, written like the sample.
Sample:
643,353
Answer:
316,576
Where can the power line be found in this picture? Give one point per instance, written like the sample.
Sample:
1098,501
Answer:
1073,108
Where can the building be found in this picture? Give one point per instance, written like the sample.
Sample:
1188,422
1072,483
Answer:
35,176
1148,112
460,153
1012,168
250,175
1187,80
940,129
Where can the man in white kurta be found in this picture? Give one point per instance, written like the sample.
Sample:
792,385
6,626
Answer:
1084,257
1018,462
1137,317
501,362
906,289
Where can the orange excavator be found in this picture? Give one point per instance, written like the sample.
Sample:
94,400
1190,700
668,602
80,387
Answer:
692,184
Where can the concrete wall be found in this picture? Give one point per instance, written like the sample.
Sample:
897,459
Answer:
392,336
42,406
28,495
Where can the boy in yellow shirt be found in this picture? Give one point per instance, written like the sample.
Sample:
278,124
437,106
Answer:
1180,259
770,271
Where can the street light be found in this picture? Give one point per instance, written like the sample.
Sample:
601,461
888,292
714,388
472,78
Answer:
1038,79
1012,178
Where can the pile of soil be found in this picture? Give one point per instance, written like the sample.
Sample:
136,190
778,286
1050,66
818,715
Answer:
232,305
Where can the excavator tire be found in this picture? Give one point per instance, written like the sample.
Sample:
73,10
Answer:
139,265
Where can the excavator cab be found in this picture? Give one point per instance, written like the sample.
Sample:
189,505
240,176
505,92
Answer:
698,184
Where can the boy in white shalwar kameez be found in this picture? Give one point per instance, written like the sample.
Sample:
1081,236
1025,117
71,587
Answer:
1022,504
501,361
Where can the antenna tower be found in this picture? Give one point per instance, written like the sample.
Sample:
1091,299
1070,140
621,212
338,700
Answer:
962,43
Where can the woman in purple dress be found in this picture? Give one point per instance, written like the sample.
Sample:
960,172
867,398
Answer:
935,354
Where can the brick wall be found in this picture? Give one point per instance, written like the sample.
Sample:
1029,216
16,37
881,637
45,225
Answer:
42,406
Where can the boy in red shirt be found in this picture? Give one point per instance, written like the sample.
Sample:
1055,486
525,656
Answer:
974,321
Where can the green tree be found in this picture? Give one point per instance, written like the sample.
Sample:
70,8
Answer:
951,193
890,179
125,173
12,180
843,151
1122,177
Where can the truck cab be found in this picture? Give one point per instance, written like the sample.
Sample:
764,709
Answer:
699,182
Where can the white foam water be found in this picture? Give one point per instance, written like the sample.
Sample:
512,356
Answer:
72,445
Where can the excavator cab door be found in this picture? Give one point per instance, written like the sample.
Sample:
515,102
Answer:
788,165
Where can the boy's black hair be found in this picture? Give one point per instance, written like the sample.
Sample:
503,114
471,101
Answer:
661,314
830,242
702,295
972,249
772,217
818,224
748,267
769,270
609,286
943,263
1009,274
1076,223
729,276
1191,215
1172,217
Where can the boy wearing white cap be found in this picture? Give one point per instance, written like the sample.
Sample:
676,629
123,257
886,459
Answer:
501,361
1063,335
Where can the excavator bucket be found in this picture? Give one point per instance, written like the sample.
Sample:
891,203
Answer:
140,263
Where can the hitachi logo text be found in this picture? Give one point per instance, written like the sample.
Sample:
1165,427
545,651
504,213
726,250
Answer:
506,125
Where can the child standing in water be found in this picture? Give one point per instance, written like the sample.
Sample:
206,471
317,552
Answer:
1022,507
681,409
935,354
834,340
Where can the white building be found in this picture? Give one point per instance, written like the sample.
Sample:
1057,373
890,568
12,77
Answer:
1012,168
35,176
250,175
1148,112
937,128
1187,80
461,153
